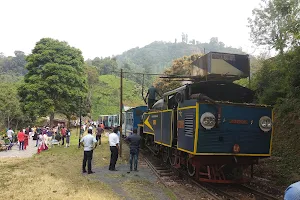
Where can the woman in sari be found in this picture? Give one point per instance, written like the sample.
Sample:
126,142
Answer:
42,142
26,140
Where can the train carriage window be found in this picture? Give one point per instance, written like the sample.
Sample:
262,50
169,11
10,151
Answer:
189,125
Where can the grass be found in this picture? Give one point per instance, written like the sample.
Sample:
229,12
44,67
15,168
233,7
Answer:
134,188
54,174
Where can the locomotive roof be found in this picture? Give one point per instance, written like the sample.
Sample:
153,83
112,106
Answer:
218,91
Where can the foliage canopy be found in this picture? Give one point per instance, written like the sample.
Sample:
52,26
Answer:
55,81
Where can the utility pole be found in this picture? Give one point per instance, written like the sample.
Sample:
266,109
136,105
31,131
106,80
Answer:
121,106
80,123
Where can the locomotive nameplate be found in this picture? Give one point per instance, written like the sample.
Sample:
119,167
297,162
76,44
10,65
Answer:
180,124
238,121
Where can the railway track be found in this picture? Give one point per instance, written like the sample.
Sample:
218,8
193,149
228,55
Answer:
164,171
213,191
234,192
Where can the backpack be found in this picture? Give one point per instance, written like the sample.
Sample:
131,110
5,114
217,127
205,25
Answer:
58,137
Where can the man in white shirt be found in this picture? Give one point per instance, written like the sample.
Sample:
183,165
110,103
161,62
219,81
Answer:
89,143
113,139
10,133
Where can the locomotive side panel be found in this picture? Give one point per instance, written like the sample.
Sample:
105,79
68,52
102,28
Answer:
186,119
167,120
148,128
153,125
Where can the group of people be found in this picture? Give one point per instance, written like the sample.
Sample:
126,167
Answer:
22,137
49,136
89,142
44,137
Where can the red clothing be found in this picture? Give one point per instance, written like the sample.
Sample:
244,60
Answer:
21,136
25,141
102,126
63,131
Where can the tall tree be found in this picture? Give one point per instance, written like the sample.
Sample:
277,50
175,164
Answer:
105,65
275,24
180,66
92,80
13,65
55,80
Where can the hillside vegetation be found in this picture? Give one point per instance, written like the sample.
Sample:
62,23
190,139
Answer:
158,55
106,95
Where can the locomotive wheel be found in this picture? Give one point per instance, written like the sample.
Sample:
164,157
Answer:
165,154
172,156
190,168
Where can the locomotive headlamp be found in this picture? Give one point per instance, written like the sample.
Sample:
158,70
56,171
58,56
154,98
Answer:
265,123
208,120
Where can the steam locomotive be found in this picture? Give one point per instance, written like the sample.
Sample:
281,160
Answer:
211,128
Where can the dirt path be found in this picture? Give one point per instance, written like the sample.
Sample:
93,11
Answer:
14,152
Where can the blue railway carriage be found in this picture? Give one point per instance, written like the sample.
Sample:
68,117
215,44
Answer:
115,121
212,129
104,120
132,118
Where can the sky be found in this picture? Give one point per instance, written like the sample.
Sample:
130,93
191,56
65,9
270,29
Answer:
101,28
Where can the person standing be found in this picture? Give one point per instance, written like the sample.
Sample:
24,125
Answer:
151,94
21,137
68,135
89,143
63,135
98,134
38,132
10,133
102,126
26,140
134,145
113,139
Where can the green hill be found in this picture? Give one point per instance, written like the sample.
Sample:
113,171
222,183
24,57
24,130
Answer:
106,95
158,55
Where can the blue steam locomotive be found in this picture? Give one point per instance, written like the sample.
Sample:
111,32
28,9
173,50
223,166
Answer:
211,128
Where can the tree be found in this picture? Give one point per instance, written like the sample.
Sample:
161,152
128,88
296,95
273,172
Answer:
13,65
193,41
180,66
92,75
183,37
275,24
92,80
105,65
55,80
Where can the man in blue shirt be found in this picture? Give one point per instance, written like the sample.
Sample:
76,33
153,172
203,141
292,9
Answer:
151,94
293,192
134,146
